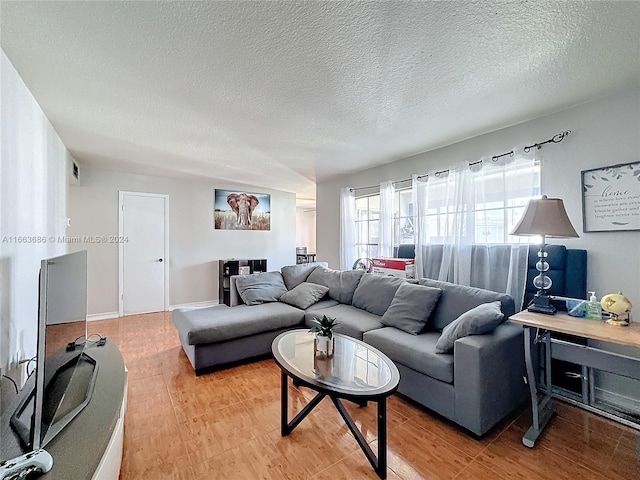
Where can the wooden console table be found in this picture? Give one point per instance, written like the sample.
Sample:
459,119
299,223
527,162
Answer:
589,357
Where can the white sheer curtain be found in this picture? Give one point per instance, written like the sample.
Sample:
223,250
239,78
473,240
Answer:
387,208
463,218
347,228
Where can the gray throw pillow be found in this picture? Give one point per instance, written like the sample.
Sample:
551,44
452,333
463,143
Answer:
294,275
260,287
411,307
375,292
458,299
341,284
481,319
304,295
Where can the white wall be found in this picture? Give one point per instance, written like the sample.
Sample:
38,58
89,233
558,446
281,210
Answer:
195,246
604,132
306,228
33,202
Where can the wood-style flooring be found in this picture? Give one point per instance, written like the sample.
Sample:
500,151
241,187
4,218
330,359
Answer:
225,425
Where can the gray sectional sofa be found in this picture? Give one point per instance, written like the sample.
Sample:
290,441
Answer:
475,383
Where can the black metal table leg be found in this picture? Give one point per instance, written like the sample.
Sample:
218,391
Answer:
379,464
381,470
287,427
284,404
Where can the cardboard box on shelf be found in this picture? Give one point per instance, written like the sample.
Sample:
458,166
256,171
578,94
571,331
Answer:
395,267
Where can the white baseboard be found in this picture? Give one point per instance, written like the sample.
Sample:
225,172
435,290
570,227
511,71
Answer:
102,316
626,403
109,315
207,303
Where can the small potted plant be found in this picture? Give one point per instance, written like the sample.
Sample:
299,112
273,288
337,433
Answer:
323,328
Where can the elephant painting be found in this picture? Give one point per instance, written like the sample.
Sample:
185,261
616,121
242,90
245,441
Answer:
243,206
238,210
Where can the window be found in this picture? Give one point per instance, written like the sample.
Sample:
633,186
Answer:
495,204
403,218
368,226
368,222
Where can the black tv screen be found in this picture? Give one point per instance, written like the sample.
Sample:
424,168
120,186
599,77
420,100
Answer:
64,373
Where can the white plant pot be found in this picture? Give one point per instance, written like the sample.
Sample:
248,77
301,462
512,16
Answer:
323,345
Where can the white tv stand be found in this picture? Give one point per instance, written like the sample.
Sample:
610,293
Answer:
90,446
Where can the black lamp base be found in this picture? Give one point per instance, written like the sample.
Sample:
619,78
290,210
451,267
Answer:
541,303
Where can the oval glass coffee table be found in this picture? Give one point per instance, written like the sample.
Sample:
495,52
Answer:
356,372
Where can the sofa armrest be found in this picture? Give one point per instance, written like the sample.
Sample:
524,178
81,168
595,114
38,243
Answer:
234,297
489,373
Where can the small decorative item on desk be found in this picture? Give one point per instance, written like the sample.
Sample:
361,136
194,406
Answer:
576,308
618,307
593,309
323,344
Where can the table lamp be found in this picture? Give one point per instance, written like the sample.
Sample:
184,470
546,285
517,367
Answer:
548,218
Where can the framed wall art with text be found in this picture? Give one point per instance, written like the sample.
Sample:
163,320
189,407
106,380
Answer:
611,198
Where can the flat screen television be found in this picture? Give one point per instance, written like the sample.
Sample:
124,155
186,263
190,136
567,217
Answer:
65,373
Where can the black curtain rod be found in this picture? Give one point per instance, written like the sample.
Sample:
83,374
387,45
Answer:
557,138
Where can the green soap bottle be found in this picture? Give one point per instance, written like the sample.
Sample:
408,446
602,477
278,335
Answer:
593,309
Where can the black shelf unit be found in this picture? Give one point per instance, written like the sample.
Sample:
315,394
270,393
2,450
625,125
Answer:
230,267
305,258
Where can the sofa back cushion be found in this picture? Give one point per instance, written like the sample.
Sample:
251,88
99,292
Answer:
375,292
458,299
260,287
341,284
411,307
294,275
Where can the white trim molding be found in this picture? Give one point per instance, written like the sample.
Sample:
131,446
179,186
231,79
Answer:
205,304
102,316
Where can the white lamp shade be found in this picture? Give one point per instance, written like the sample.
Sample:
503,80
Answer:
545,216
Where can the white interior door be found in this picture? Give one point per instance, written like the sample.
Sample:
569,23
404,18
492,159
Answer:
143,253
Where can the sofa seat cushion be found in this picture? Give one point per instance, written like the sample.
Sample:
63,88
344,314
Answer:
322,304
221,323
353,322
417,352
375,292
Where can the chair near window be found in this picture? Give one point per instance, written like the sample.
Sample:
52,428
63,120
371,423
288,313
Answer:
406,251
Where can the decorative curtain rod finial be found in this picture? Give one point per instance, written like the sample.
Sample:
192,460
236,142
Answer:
557,138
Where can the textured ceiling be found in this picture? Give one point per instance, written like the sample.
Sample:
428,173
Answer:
282,95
